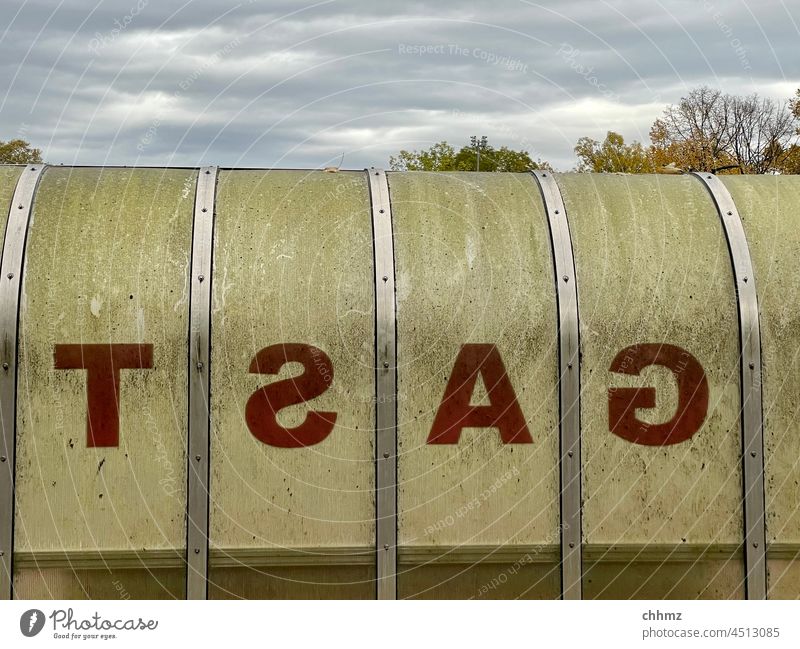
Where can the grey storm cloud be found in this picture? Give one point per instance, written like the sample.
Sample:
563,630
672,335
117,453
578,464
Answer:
298,84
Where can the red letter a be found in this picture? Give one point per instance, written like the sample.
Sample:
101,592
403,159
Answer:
503,411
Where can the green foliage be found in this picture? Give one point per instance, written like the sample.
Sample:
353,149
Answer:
443,157
19,152
613,155
440,157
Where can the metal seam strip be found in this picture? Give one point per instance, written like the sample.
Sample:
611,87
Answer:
568,384
750,363
197,496
385,386
10,284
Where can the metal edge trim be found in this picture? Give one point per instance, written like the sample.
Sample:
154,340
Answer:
192,168
568,384
751,397
660,553
199,359
224,557
385,385
16,235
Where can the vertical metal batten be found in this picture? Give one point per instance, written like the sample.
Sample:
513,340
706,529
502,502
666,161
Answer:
568,385
10,283
750,361
199,386
385,386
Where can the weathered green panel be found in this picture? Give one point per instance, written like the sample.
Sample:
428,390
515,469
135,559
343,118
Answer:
653,267
770,210
295,582
473,265
292,264
101,582
107,262
108,258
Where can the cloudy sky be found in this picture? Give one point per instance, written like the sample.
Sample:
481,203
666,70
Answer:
266,83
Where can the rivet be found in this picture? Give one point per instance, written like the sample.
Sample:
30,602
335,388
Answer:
20,206
385,364
2,458
377,173
197,457
197,550
557,212
207,172
730,213
381,211
571,544
11,276
385,278
755,545
752,366
2,553
201,277
569,366
569,453
385,546
200,365
708,177
5,366
752,453
566,278
385,455
744,279
204,210
544,175
33,168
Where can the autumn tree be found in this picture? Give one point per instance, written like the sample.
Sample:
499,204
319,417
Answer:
790,162
709,130
19,152
613,155
443,157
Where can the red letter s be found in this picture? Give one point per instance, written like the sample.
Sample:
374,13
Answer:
265,403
